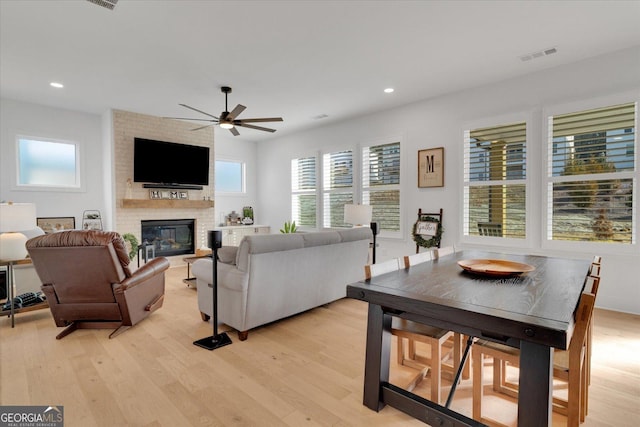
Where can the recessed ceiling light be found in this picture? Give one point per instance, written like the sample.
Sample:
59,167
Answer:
56,85
388,90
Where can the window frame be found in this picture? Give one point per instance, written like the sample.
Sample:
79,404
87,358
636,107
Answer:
531,176
325,191
317,156
243,167
356,189
401,233
548,179
79,166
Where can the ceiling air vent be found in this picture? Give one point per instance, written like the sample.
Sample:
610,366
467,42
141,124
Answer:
539,54
109,4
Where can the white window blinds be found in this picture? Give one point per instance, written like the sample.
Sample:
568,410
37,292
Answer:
337,186
303,191
495,172
591,175
381,184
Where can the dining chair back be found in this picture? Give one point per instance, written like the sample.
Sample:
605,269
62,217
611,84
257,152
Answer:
569,366
418,258
440,252
373,270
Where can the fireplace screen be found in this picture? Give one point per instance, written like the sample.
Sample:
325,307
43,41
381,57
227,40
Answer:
169,236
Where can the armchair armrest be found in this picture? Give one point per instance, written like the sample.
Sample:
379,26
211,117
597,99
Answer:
152,268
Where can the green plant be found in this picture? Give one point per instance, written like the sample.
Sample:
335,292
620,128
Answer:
132,242
289,227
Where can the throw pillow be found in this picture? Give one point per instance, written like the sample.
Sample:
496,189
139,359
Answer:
227,254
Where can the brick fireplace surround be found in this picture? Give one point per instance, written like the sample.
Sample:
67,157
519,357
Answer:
127,126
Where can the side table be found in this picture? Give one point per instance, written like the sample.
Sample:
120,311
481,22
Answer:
190,260
12,310
148,252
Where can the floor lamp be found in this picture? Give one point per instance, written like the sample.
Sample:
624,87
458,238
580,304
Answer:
216,340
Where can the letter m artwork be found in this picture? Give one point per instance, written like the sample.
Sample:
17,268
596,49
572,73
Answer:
431,168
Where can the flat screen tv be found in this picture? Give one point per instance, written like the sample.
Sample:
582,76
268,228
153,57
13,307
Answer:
170,163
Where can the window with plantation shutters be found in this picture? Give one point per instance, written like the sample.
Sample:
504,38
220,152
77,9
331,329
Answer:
303,191
495,172
337,186
591,175
381,184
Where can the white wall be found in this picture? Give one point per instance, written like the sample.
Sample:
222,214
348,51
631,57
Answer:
440,122
229,147
21,118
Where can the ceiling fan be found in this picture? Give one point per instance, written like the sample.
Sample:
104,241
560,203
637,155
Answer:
228,119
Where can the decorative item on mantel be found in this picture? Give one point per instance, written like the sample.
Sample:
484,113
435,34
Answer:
128,193
203,250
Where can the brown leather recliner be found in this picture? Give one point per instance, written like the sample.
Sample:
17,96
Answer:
86,278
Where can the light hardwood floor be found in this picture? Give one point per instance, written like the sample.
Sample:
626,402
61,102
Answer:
305,370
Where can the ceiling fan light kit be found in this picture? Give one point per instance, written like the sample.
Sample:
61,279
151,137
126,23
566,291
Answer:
228,119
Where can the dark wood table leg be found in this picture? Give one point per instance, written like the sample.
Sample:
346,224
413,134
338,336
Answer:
376,369
536,385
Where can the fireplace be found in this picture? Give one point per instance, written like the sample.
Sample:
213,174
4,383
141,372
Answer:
169,236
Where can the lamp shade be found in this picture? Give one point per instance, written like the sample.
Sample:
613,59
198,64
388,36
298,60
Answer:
357,214
15,217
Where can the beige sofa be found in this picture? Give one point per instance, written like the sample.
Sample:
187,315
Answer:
270,277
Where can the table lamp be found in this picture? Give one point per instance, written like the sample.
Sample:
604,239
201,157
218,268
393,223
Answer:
357,215
15,217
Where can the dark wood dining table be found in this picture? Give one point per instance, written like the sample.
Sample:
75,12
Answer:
533,311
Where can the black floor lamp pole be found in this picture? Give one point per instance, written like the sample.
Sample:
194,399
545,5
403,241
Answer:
216,340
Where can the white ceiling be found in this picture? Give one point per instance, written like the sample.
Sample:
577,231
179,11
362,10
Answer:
295,59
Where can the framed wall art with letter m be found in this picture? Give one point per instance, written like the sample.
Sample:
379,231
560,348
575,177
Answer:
431,167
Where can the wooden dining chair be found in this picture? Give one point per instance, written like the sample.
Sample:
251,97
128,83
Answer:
445,346
569,366
594,271
592,283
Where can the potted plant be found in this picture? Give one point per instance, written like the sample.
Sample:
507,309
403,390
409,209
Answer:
289,227
131,243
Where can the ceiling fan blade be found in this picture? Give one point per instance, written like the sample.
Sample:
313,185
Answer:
202,127
255,127
199,111
236,112
234,131
266,119
188,118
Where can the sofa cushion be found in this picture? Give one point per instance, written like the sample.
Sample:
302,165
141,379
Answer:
320,238
356,233
265,243
227,254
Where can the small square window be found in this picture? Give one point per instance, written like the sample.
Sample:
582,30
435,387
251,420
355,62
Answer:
230,176
48,163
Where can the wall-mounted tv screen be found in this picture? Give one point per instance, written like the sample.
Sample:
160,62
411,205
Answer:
170,163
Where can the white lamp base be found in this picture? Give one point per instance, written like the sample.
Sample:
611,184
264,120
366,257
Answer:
12,246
